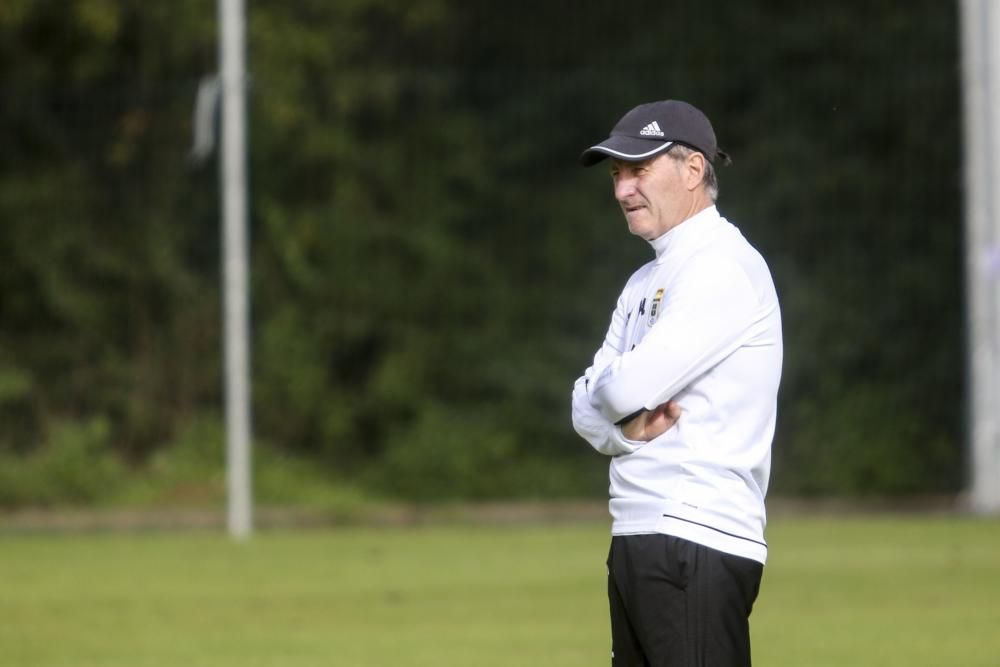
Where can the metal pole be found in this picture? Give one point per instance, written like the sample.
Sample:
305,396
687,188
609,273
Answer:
232,53
980,38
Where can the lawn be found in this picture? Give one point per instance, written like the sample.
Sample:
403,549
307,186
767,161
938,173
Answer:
837,591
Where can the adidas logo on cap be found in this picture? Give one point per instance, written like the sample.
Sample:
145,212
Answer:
652,130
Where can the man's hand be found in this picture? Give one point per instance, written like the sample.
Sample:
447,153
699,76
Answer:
650,424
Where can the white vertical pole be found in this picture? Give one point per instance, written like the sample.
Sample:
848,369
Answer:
980,39
232,52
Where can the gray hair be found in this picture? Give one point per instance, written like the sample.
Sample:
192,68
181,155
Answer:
680,152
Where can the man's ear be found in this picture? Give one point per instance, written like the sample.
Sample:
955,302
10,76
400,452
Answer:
694,170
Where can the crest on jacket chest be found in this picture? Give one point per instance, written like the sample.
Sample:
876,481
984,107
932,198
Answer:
654,308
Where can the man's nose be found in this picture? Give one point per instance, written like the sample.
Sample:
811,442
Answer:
624,188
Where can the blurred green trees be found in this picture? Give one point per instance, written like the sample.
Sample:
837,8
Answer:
431,269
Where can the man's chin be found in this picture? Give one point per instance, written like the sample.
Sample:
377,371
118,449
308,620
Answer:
640,229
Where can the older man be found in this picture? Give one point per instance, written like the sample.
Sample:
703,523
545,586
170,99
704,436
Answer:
682,397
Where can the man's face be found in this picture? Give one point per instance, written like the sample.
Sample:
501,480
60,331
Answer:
654,194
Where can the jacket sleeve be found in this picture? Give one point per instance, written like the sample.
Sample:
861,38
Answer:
595,428
588,422
706,315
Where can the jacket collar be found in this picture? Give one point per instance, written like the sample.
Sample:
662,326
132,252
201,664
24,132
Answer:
694,227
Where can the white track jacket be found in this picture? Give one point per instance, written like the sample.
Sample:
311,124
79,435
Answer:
700,324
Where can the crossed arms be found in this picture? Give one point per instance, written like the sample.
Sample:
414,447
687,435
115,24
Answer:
625,398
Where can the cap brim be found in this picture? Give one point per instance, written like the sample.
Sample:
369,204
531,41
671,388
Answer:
629,149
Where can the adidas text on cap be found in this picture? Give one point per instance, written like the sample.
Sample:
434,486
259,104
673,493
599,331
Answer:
651,128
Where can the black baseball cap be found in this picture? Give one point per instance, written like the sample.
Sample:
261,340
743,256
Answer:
651,128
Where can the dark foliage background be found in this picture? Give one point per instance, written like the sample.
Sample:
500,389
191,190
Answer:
431,269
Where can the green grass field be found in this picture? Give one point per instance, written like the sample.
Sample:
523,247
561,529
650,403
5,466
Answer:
837,591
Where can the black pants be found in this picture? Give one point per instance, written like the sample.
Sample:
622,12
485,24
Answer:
679,604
